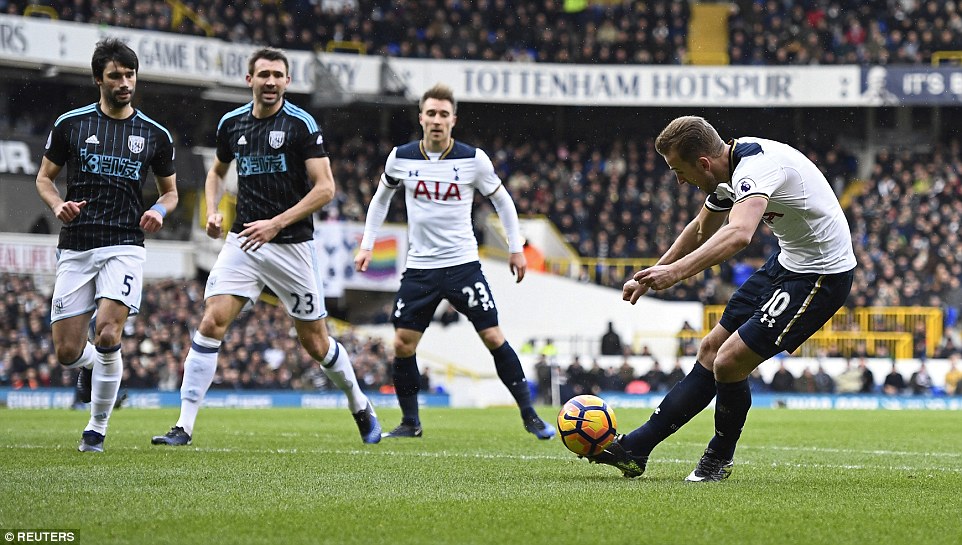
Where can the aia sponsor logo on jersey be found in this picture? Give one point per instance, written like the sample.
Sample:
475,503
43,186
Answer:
437,191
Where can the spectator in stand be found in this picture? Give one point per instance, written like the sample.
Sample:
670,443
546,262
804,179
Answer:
757,382
806,382
425,383
626,373
953,377
894,383
868,377
921,382
611,342
674,376
597,378
849,381
688,340
577,377
542,370
655,377
783,380
824,383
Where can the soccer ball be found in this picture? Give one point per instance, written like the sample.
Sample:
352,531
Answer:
587,425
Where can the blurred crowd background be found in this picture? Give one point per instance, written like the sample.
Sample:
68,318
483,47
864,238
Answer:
606,190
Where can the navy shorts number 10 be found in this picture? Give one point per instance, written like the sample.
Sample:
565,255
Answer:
776,309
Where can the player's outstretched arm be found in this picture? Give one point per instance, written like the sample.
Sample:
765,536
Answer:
698,230
726,242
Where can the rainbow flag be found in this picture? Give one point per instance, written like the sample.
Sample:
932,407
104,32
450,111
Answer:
384,258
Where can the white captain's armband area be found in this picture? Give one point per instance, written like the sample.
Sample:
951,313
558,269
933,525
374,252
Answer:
393,183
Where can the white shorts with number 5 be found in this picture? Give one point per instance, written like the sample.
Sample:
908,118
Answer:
289,270
85,277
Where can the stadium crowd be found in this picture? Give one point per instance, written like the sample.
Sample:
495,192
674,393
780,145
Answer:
856,378
616,32
609,199
260,352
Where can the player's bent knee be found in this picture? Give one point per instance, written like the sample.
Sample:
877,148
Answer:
317,350
492,337
67,355
404,349
109,336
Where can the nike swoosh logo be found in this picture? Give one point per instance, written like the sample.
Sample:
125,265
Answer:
576,418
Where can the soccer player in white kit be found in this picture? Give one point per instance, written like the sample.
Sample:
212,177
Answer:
803,284
440,176
284,175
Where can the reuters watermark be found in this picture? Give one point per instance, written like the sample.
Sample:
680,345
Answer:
39,536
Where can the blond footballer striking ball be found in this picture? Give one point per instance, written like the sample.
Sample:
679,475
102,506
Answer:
587,425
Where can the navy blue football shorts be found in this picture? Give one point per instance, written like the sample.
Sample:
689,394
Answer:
464,286
777,309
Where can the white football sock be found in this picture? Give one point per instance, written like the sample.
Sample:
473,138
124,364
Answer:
86,359
104,384
199,368
337,366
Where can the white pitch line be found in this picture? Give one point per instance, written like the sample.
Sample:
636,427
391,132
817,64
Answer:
832,450
376,451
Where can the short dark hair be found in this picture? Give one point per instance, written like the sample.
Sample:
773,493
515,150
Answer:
112,49
271,54
439,92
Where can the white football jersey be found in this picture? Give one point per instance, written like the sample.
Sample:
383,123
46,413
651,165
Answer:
803,211
439,194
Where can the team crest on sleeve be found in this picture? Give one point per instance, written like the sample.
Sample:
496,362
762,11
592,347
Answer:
135,143
275,139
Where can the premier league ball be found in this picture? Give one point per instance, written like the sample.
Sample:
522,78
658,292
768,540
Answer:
587,425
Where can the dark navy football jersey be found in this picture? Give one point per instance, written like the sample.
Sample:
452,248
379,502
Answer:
107,161
271,171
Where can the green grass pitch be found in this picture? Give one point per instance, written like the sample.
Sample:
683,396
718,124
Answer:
296,476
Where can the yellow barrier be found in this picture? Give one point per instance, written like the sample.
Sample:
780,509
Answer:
878,331
607,271
940,56
35,10
335,46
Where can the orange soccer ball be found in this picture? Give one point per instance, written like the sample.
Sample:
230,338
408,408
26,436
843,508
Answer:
587,425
